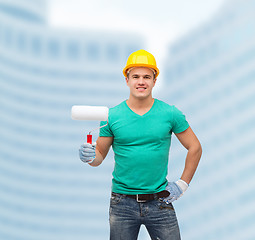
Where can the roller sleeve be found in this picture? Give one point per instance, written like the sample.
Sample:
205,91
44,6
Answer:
94,113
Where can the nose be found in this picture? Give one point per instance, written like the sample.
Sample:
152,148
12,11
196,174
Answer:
140,81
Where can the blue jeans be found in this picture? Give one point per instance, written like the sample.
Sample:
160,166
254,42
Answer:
127,215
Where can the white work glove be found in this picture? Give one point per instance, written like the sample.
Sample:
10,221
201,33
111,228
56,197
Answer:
87,152
176,190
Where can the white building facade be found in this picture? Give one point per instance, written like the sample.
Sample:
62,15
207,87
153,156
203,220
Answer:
210,77
46,191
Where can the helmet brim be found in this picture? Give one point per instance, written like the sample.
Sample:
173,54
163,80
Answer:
140,65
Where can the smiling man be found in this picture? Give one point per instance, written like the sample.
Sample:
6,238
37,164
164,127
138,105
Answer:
139,132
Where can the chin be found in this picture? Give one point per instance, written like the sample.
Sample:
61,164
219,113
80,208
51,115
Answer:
141,97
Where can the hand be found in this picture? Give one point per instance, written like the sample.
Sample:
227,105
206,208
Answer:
176,190
87,152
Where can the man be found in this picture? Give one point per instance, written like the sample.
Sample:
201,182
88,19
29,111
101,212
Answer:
139,131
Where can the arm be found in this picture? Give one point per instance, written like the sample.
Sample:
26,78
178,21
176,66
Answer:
189,140
102,148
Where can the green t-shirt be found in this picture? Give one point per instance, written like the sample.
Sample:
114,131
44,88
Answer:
141,146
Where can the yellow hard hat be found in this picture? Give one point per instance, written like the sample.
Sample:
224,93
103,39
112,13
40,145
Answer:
141,58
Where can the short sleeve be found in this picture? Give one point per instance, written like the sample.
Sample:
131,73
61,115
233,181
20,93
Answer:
106,130
180,123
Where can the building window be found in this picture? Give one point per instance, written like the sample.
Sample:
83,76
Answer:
21,41
202,56
112,53
36,45
179,69
8,37
73,50
92,51
213,50
1,33
53,48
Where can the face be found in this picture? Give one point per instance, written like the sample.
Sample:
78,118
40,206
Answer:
141,80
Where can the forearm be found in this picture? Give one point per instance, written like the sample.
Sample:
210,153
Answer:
191,163
98,160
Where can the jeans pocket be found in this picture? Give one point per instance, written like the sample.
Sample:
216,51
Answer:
163,205
115,198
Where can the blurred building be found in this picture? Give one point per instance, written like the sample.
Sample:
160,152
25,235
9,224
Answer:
46,192
210,77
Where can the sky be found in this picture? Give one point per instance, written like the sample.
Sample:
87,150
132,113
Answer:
161,22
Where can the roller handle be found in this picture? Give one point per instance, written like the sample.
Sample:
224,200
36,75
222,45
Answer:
89,138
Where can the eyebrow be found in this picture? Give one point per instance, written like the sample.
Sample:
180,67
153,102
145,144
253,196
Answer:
146,75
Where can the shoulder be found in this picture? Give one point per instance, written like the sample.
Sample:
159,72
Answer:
170,110
117,108
161,105
115,112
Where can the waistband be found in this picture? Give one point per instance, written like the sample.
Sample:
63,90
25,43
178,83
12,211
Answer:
146,197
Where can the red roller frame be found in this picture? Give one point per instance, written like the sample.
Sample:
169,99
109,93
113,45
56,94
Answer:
89,138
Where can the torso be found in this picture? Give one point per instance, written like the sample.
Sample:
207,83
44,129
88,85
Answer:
142,110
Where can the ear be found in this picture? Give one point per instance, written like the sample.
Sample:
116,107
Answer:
155,81
126,80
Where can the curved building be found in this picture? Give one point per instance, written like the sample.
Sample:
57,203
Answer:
211,74
46,192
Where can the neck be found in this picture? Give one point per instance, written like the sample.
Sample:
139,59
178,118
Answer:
140,103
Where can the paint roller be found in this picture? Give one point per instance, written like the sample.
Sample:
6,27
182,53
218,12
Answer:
92,113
